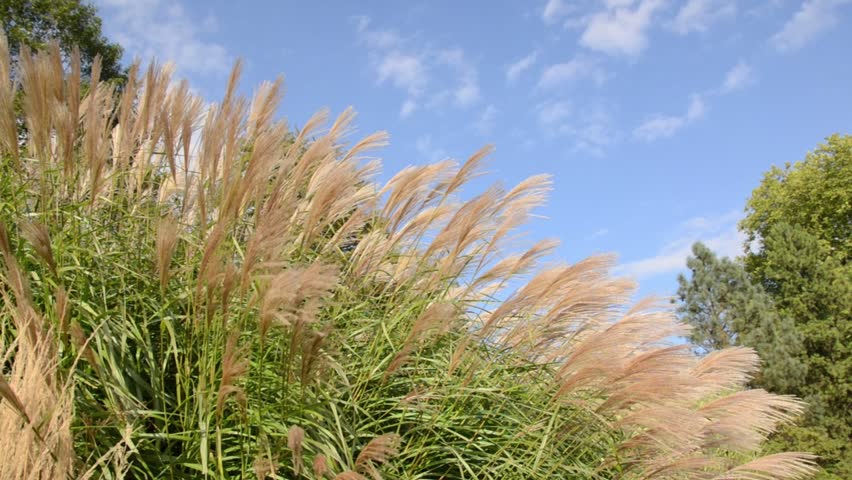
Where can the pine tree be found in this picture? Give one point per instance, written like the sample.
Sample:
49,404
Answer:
727,309
799,222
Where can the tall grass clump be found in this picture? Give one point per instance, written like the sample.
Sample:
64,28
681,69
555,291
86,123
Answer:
192,290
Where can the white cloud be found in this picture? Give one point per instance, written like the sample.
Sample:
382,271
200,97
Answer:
428,150
621,29
812,18
515,70
577,68
588,129
719,233
697,108
403,71
429,77
408,107
484,125
698,15
659,126
662,126
163,30
597,234
466,93
554,9
553,113
383,39
737,78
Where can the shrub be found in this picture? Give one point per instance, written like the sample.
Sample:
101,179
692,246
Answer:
190,290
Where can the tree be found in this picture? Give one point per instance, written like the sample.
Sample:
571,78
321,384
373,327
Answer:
812,287
799,229
814,194
726,309
34,23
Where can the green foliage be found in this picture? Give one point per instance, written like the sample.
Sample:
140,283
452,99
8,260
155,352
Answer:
801,218
726,308
34,23
812,286
155,363
813,194
212,297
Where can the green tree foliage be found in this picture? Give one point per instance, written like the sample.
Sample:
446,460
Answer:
812,286
800,220
34,23
814,194
726,309
791,299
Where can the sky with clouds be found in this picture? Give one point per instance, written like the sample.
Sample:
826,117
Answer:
656,117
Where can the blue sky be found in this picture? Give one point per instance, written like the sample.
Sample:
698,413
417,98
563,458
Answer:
656,117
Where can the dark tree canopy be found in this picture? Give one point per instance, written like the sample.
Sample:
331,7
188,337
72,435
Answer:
726,308
799,226
790,298
812,286
34,23
814,194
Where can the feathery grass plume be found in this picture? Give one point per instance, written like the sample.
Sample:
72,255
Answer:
38,236
438,316
66,123
726,370
35,412
167,237
295,436
97,115
742,420
81,342
377,451
8,394
349,475
264,467
295,295
783,466
20,307
36,77
412,312
234,367
320,466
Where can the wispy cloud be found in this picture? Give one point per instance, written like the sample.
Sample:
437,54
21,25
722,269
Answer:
659,126
484,125
699,15
430,77
553,112
575,69
408,107
737,78
428,149
621,28
163,30
812,18
554,10
515,70
376,38
598,234
718,232
403,71
588,129
466,92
